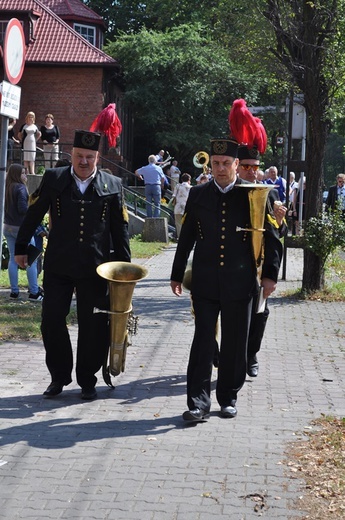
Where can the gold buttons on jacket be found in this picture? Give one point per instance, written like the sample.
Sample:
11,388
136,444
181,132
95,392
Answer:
104,211
222,236
199,230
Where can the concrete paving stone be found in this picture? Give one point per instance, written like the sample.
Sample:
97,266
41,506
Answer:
129,455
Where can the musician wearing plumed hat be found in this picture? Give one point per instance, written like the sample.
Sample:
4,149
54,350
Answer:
88,218
248,168
218,224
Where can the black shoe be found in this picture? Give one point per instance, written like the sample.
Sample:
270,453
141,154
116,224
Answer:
55,388
36,297
14,295
88,393
196,415
228,412
252,366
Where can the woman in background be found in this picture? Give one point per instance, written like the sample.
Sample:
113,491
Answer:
50,135
180,196
16,205
29,135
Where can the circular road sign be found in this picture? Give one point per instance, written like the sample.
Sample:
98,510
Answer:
14,51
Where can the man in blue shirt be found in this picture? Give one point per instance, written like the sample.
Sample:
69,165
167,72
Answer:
154,178
278,182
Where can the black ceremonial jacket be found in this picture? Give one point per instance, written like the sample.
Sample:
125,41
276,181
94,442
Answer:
83,226
223,265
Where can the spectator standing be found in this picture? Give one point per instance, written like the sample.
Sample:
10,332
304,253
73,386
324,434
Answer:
336,193
180,195
292,184
201,177
29,135
278,182
174,173
50,135
160,156
154,180
260,176
298,205
11,140
16,206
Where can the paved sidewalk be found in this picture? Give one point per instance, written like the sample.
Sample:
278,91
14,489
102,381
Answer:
129,455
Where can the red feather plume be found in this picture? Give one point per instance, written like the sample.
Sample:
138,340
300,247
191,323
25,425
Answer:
108,123
245,128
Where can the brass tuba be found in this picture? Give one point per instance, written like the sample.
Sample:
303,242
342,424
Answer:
257,196
201,160
122,278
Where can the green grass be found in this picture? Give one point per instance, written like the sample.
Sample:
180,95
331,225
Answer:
20,319
142,249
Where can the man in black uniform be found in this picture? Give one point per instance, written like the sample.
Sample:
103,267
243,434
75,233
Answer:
224,280
88,217
249,164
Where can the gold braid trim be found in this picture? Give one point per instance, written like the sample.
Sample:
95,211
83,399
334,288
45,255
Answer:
272,221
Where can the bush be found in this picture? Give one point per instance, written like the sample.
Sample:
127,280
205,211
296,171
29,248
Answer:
325,233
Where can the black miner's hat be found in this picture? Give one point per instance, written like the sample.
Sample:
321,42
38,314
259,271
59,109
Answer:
224,146
86,140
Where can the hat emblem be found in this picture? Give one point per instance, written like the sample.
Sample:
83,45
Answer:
88,140
253,152
219,147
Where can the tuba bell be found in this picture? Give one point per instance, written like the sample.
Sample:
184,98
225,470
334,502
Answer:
201,160
122,278
257,196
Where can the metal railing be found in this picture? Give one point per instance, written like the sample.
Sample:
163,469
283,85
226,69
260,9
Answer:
135,201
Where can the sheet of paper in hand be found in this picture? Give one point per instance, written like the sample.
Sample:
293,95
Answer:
260,305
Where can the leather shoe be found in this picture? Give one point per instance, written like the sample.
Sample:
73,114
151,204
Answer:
228,412
252,366
88,393
55,388
216,358
196,415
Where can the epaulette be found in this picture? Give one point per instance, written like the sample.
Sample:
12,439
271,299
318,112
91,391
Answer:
34,197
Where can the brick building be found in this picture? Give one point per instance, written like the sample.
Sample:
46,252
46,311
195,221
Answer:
66,72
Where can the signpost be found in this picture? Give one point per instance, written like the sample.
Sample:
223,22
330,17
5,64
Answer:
14,61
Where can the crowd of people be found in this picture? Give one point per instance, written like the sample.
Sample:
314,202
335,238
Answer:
28,139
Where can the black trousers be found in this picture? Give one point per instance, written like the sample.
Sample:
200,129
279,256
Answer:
257,329
93,330
235,320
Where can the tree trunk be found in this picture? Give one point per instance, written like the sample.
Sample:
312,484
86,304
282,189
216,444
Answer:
313,273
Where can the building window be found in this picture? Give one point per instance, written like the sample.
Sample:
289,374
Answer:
87,32
3,27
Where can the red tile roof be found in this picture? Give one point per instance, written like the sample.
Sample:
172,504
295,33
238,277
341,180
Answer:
55,42
74,9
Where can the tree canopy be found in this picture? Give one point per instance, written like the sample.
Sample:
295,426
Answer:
185,62
180,85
